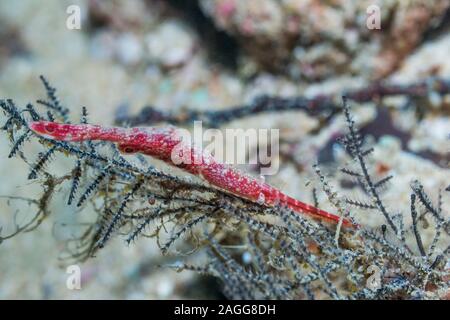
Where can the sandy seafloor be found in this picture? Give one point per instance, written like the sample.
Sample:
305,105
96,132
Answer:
103,70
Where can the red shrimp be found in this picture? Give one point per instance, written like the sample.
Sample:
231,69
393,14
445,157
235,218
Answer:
166,144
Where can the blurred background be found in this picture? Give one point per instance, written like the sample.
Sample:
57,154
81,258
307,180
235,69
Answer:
210,55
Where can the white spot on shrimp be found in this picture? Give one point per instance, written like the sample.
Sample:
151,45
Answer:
277,200
261,198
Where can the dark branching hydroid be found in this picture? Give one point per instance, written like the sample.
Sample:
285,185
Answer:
256,251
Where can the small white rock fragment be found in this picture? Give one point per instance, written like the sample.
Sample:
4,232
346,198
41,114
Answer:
128,49
170,45
246,257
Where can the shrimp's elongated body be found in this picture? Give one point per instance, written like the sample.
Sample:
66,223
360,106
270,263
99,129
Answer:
166,144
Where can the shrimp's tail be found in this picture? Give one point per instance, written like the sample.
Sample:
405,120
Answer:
305,208
273,196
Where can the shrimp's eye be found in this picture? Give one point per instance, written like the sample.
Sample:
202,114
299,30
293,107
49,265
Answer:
128,150
50,128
